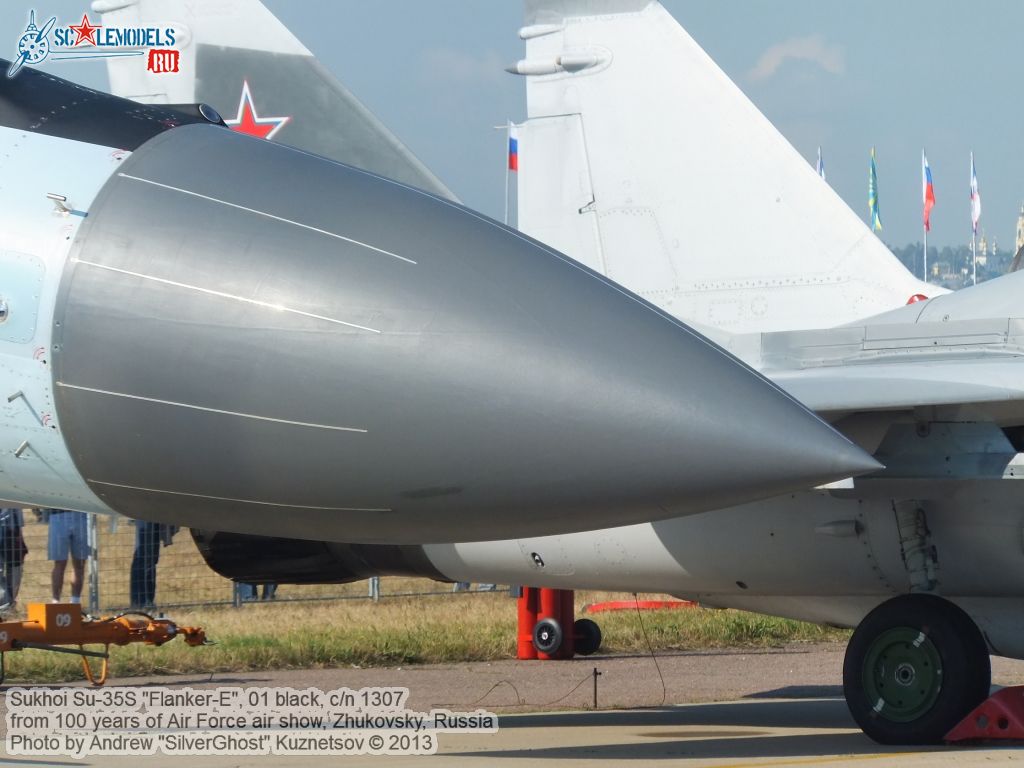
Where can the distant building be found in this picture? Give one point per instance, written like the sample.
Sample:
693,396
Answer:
983,250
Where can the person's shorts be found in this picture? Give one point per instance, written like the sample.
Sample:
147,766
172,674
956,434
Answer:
67,534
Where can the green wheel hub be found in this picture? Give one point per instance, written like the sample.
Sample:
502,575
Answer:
902,674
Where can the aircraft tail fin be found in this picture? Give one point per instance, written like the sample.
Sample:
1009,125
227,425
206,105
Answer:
642,159
236,56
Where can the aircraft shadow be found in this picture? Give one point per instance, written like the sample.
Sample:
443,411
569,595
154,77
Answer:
825,714
739,745
800,692
727,730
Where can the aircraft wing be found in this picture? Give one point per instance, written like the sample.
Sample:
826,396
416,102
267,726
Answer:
950,379
959,348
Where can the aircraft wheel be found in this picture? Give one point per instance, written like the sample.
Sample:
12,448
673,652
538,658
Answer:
547,636
914,668
588,636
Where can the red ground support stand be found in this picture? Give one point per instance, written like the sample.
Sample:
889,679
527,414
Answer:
529,605
567,617
541,603
1000,716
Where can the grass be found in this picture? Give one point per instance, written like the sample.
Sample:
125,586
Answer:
401,631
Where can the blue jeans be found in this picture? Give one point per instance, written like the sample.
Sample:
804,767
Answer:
147,554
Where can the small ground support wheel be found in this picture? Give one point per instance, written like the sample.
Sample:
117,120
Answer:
547,636
914,668
588,637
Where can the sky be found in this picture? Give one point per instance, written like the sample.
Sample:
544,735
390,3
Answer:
899,76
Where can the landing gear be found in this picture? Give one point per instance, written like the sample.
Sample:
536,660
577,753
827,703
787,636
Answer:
915,667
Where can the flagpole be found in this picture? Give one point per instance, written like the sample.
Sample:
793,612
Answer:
975,215
924,222
508,139
926,254
974,256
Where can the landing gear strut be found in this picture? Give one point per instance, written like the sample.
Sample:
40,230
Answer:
915,667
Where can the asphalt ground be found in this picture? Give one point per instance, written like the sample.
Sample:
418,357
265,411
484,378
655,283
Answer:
733,708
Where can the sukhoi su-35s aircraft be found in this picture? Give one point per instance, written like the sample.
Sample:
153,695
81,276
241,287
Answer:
925,557
197,325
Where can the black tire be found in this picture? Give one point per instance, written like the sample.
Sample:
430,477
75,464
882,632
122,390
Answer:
890,680
588,637
547,636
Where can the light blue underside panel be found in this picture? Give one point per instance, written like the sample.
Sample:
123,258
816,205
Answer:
21,282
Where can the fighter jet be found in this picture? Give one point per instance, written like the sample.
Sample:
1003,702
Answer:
200,325
923,557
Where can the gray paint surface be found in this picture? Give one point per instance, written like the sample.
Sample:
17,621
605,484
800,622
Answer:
324,116
251,338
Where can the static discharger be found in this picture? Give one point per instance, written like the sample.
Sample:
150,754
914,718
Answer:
51,626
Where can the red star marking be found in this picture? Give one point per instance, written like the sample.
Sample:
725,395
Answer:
251,123
86,32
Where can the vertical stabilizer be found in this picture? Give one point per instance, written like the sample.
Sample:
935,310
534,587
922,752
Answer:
642,159
239,58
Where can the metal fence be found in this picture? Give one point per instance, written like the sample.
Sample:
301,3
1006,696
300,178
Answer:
121,560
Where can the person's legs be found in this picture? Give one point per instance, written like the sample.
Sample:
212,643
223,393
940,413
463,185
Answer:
6,546
77,579
14,559
136,591
57,579
79,545
57,545
143,572
14,581
152,558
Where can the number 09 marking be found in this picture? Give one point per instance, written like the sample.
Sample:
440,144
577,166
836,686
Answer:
63,620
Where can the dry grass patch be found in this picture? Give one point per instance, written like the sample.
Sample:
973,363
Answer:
399,631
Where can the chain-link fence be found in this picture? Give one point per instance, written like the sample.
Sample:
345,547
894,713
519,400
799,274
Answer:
134,565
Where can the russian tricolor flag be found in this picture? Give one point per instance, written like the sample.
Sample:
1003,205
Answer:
927,191
513,148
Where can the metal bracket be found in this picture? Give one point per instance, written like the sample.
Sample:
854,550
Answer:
919,556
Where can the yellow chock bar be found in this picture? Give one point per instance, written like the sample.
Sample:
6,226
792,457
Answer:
51,626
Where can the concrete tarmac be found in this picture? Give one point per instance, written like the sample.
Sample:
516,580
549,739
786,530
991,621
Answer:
784,707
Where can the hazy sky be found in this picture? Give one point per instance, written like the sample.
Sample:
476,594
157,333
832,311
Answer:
897,75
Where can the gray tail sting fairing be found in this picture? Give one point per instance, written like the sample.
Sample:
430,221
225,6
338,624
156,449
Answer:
240,59
245,333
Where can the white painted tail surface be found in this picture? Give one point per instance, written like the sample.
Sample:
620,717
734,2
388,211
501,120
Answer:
643,160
